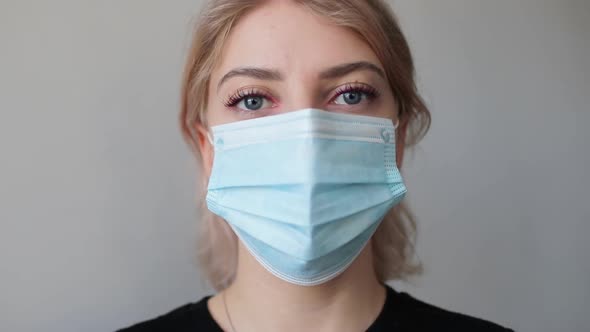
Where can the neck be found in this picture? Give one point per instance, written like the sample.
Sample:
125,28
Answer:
259,301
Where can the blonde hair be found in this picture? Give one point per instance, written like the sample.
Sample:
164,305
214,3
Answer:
393,242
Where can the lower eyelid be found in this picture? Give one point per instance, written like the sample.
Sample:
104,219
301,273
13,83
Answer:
368,97
236,108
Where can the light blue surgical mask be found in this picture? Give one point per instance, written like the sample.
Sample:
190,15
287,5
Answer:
304,191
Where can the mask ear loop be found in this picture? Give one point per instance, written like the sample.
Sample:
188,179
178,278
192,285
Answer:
396,124
210,137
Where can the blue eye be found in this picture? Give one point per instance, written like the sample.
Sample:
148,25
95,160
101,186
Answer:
350,98
249,101
354,94
252,103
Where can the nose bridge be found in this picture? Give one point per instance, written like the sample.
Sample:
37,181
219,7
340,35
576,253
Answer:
300,92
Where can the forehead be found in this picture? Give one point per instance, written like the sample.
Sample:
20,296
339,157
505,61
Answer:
289,37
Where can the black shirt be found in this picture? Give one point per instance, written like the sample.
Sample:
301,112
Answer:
401,312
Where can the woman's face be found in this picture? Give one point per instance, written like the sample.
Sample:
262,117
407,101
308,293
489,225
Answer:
281,58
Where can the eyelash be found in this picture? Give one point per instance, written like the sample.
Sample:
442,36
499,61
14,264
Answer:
241,94
368,90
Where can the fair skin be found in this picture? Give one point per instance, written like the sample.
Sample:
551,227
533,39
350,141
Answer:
301,61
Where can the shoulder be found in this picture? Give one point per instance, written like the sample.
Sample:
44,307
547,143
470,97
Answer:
417,315
189,317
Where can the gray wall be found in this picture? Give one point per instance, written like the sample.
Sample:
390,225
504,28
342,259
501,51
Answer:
97,220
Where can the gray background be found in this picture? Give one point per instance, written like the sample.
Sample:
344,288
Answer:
97,213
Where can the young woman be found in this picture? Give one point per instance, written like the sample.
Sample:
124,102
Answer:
299,112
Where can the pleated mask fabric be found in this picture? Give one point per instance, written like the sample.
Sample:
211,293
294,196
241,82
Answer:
304,191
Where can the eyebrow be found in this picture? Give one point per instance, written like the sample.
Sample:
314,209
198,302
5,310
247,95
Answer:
347,68
257,73
275,75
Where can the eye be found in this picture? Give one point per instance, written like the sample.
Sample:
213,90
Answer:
249,100
252,103
350,98
353,94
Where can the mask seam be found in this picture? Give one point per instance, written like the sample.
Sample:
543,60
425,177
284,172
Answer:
367,139
220,128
